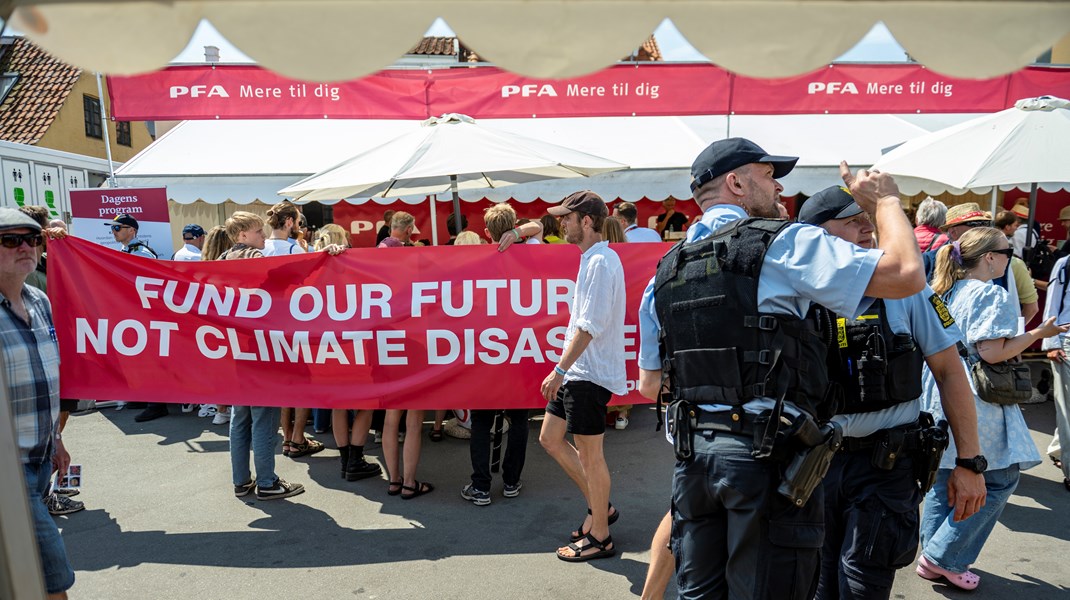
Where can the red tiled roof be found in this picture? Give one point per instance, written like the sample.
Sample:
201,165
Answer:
439,46
444,46
43,86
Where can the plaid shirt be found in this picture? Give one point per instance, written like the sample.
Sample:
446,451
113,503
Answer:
31,358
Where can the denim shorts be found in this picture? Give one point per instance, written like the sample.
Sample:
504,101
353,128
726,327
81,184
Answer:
54,564
582,405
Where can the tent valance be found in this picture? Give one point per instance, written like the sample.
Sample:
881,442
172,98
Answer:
544,38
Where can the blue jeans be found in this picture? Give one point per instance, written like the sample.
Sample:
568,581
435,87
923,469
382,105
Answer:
54,564
955,546
733,535
255,427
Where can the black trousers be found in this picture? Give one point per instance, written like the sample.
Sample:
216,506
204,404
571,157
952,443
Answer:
515,449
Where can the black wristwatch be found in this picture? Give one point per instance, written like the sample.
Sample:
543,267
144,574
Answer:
977,464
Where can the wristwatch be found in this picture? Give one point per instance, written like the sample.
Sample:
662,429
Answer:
977,464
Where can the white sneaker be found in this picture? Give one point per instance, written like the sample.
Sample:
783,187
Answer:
221,418
120,405
207,410
188,408
622,423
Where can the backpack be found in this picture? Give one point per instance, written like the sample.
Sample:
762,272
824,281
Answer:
1040,260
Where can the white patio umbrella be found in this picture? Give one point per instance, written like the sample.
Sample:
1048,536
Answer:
451,152
1026,144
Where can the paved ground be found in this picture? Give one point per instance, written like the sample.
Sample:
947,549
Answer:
161,522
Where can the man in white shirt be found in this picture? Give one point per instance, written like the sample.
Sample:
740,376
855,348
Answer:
193,236
627,213
590,371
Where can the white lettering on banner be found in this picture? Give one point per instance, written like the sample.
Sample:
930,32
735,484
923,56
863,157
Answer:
212,300
494,348
883,88
585,91
385,347
202,344
119,210
98,338
557,292
248,91
832,87
244,300
529,89
372,295
195,91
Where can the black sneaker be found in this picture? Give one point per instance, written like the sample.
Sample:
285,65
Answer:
477,497
281,489
244,489
62,505
154,411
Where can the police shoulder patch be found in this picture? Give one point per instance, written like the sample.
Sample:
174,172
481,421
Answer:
941,311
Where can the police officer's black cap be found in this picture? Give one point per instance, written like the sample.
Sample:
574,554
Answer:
123,220
193,229
723,156
830,203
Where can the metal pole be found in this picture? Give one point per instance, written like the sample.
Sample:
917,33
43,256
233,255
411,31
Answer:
995,200
1027,251
434,219
104,128
456,205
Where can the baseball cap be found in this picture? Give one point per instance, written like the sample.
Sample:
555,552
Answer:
193,229
586,202
830,203
123,220
11,218
723,156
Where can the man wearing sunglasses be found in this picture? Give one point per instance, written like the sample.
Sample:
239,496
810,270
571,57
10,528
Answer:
30,357
193,238
124,230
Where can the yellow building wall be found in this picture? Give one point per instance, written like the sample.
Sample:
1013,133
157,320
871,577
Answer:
1060,53
67,132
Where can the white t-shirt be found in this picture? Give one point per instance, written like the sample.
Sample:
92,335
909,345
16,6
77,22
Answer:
598,306
188,252
274,247
641,234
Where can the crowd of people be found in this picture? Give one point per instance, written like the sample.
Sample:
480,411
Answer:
812,366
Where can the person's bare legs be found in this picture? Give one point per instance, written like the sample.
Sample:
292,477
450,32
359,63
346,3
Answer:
340,427
362,422
297,433
390,446
552,438
662,563
596,473
440,415
414,423
286,416
59,596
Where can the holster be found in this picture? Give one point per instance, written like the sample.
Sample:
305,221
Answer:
934,441
809,466
679,415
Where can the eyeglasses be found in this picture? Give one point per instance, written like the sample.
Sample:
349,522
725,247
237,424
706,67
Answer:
1008,252
14,240
118,228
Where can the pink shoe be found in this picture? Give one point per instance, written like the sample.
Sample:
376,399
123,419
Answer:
966,580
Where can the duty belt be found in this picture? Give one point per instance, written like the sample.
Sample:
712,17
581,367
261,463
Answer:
907,437
730,421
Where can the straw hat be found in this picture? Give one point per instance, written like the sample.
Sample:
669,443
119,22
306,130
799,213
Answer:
965,213
1021,210
1064,214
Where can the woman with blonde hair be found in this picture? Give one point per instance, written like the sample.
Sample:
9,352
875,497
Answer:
468,238
988,319
331,235
612,232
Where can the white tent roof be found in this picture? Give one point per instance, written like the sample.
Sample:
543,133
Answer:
246,161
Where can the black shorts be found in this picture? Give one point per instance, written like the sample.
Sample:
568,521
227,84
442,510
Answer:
582,405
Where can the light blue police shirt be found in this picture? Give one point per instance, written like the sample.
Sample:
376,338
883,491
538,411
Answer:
918,316
803,265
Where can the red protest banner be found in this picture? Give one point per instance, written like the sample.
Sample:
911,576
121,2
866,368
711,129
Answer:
463,326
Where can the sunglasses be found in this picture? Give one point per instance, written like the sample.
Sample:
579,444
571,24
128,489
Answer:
1008,252
972,224
118,228
14,240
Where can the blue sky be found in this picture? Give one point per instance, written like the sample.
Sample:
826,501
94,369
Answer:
877,46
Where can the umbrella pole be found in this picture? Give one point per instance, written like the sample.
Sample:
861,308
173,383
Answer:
434,221
995,200
1032,219
456,205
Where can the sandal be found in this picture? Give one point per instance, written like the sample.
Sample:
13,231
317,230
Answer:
436,435
310,446
578,533
577,550
966,580
286,448
393,488
417,490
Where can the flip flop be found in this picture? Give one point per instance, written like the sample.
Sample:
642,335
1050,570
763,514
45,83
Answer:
577,551
572,537
966,580
417,490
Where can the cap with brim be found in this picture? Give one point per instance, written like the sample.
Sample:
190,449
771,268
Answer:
969,212
123,220
586,202
723,156
11,218
1021,211
830,203
193,229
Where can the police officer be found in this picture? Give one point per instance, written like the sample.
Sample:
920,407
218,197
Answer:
725,317
875,369
124,230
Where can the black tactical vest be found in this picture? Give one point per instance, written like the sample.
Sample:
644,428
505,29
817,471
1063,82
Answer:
717,348
873,367
133,247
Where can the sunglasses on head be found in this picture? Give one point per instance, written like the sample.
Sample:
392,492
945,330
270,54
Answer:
118,228
1008,252
14,240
